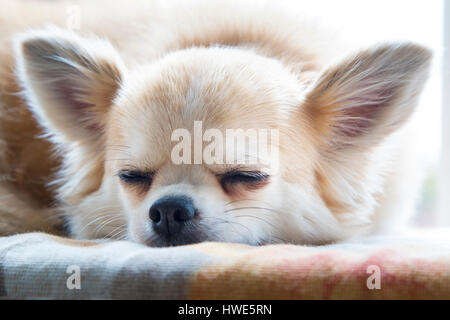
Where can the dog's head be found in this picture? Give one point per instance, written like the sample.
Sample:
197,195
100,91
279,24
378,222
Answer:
154,149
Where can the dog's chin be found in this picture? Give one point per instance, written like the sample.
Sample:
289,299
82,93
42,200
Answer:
158,241
197,233
161,242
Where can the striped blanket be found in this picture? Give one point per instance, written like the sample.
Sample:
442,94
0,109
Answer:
36,265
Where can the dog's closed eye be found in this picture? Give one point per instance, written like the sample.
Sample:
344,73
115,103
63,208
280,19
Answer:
249,179
136,178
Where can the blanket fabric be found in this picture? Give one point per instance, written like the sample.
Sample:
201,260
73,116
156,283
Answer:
36,265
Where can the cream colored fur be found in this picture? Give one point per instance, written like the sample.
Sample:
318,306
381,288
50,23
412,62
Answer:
108,97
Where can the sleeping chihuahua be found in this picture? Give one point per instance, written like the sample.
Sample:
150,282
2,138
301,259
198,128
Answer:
126,128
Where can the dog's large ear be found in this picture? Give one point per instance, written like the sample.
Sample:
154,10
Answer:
69,81
369,95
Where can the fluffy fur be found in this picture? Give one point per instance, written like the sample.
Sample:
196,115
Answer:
108,97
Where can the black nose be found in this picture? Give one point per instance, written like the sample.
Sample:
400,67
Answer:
169,214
